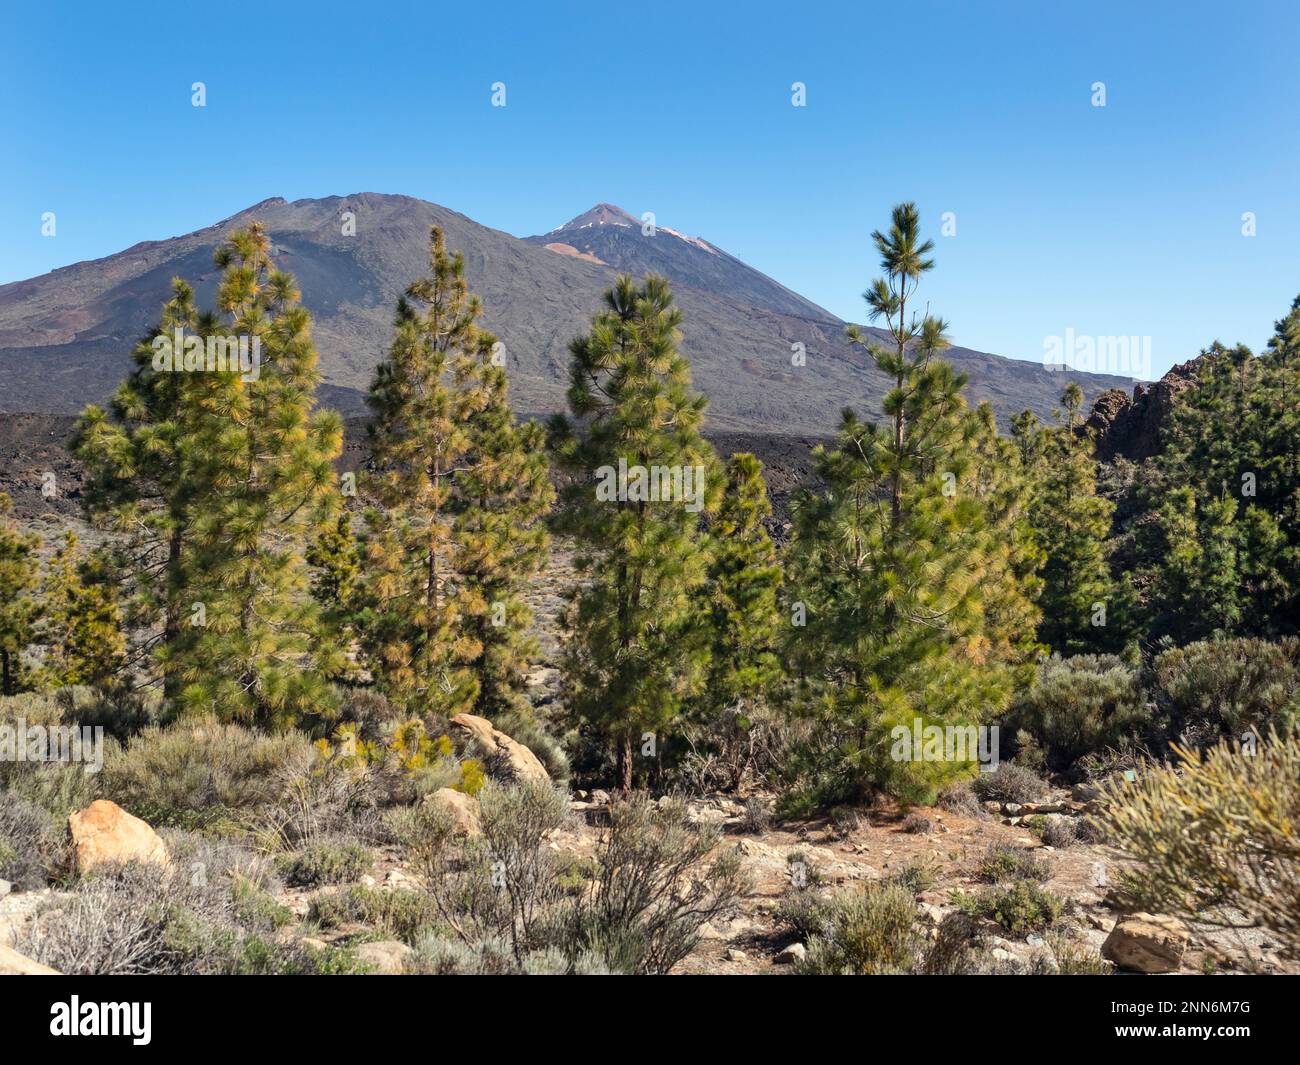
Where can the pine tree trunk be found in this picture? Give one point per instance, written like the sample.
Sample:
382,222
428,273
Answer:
625,762
172,622
6,674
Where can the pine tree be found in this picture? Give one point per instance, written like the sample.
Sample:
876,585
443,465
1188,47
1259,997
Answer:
81,624
1083,607
461,491
893,567
1002,479
638,649
503,542
136,456
262,485
19,575
1223,553
335,558
744,618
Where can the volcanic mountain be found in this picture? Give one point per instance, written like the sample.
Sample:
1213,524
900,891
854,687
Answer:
66,336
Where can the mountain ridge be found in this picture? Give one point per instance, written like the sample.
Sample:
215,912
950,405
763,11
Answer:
66,336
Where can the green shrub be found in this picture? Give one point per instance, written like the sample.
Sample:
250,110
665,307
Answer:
805,913
1214,836
1005,864
916,877
398,912
324,862
197,774
1223,688
1079,705
865,933
1021,908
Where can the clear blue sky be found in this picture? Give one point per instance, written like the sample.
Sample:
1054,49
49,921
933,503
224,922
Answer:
1108,221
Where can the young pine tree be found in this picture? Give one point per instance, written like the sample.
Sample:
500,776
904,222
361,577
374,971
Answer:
19,576
1083,606
262,485
743,615
461,491
638,647
894,566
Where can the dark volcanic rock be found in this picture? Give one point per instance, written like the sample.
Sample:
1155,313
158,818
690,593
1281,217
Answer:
1131,427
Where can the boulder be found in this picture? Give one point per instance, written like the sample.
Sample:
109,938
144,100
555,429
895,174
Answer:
387,957
1147,943
506,759
14,964
463,810
104,833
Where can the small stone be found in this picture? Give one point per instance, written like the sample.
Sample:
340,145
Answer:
791,954
5,888
736,955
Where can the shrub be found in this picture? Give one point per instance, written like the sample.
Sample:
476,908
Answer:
960,798
757,817
198,773
1223,688
1020,908
398,912
1214,836
1009,783
656,882
865,933
31,845
1005,864
1078,705
136,920
1073,960
1058,831
917,824
805,913
324,862
916,877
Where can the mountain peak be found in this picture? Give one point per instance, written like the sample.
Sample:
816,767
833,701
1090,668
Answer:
603,214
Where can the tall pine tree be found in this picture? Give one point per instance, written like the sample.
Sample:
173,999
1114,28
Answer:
638,647
137,456
259,466
894,563
461,491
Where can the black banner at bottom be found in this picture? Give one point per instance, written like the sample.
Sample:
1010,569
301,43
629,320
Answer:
144,1014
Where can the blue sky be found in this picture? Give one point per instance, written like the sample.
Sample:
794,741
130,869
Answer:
1115,221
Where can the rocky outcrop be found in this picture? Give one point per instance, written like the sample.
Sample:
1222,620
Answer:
505,758
1130,427
1147,943
103,833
